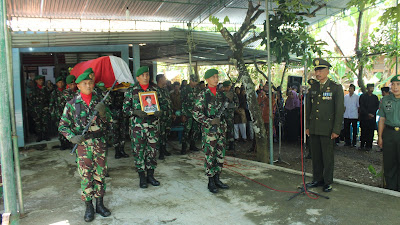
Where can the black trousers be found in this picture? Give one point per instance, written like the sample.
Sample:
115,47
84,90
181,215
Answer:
353,123
367,132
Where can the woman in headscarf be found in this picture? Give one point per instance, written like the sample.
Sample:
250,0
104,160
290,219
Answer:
292,121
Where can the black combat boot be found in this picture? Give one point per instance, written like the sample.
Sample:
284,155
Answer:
166,153
143,182
219,183
39,138
123,153
89,213
193,146
211,185
161,153
151,179
101,209
118,154
183,151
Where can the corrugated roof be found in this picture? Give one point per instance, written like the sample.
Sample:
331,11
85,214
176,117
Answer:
195,11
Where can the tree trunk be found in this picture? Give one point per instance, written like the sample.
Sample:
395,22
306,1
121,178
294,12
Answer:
283,74
359,54
255,112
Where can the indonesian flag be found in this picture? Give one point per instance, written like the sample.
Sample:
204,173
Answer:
106,69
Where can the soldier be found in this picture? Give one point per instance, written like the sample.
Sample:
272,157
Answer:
389,135
70,91
119,126
166,107
143,128
57,104
39,102
229,113
324,116
91,149
191,127
206,110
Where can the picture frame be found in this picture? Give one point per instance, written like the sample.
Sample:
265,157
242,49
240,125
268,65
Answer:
149,102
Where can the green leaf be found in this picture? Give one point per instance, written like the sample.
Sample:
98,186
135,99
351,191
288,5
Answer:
226,19
372,170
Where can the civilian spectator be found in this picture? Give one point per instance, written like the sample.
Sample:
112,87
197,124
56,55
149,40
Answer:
369,104
351,107
292,119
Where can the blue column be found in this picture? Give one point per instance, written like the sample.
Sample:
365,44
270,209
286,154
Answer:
19,115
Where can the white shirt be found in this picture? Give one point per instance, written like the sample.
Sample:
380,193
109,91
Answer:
352,104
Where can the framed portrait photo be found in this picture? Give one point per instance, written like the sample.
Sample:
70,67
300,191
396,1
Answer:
149,102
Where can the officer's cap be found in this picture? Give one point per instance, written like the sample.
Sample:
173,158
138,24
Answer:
395,78
38,77
321,64
226,83
142,70
70,79
82,77
370,85
59,78
209,73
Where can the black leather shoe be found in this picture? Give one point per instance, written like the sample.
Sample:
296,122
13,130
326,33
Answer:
327,188
151,179
219,183
101,209
315,184
211,185
123,153
142,182
89,213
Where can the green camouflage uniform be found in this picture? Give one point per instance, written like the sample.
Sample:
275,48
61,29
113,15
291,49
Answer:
229,116
92,162
39,103
165,119
119,119
57,104
191,130
68,94
213,142
142,131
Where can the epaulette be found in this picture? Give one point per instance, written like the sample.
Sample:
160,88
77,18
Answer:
312,81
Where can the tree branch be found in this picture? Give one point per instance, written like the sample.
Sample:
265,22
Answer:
251,40
228,38
249,21
260,71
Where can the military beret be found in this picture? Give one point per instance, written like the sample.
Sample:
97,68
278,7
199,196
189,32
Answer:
209,73
370,85
226,83
395,78
320,63
88,71
59,78
142,70
70,79
39,77
83,76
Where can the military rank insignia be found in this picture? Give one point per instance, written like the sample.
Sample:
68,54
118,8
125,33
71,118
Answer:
388,105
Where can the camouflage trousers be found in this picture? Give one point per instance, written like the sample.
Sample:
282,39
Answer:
91,167
41,119
191,131
119,131
162,141
214,149
230,131
144,139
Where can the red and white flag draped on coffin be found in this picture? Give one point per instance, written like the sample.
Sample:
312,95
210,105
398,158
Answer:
106,69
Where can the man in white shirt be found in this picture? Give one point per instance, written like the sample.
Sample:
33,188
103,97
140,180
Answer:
351,105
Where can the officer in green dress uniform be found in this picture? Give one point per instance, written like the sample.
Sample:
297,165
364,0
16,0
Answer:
324,116
389,135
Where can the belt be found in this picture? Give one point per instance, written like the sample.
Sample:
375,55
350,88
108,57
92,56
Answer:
392,128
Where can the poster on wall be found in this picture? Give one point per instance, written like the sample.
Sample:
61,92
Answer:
47,72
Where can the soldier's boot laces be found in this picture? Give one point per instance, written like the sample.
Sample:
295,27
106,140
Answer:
183,151
211,185
166,153
89,213
219,183
151,179
142,182
101,209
